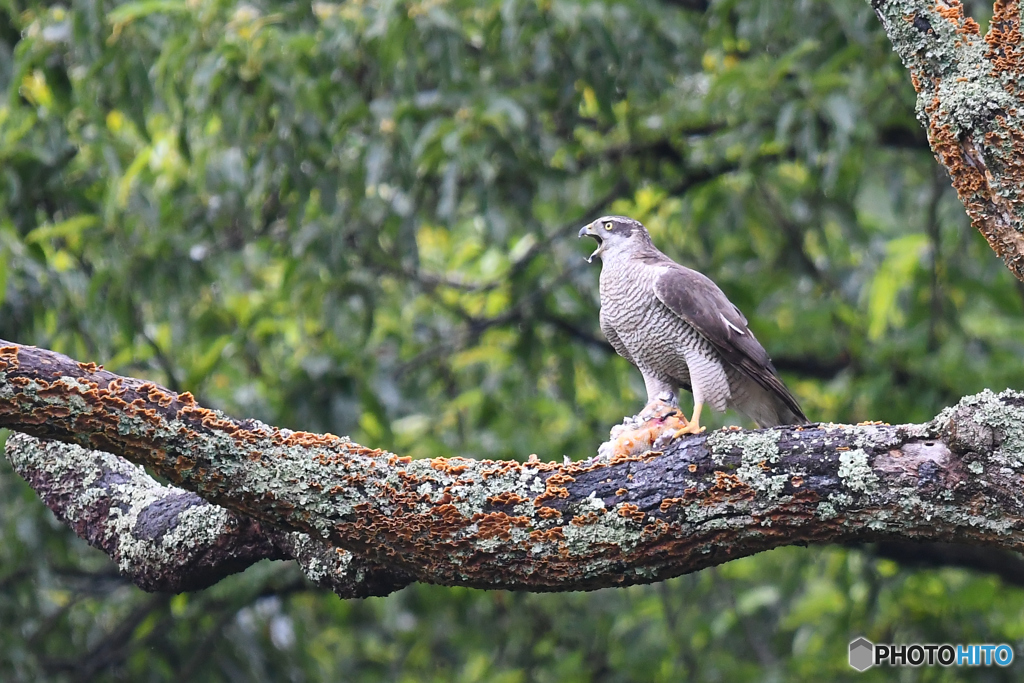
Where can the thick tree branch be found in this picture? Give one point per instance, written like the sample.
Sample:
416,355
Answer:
971,103
647,508
166,539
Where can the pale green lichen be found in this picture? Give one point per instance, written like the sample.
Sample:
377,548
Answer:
754,445
471,498
953,61
649,573
760,449
195,527
1008,420
609,529
516,537
825,511
855,472
833,505
992,411
973,102
311,562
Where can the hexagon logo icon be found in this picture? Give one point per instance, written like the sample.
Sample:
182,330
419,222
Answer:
862,654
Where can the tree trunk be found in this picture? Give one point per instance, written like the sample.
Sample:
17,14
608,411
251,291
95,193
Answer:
969,100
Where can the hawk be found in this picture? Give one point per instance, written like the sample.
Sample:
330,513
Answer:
680,330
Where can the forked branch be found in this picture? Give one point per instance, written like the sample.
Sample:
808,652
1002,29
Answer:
629,515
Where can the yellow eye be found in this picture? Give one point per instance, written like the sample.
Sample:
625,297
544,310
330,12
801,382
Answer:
608,227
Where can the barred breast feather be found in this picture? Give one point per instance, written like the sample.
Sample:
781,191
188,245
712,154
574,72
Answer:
680,330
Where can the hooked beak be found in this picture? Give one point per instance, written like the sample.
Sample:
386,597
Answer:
588,231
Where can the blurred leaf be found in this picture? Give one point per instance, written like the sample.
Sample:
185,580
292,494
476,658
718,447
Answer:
903,255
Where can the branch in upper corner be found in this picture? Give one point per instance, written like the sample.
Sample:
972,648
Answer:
166,539
972,107
649,507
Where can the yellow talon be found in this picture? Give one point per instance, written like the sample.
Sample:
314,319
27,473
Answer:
693,425
692,428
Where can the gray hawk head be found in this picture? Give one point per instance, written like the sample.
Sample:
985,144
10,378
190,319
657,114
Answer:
616,235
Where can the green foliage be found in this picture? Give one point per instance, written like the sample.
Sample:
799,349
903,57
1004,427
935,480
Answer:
360,218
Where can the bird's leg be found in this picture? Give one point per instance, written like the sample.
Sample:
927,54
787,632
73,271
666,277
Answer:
693,425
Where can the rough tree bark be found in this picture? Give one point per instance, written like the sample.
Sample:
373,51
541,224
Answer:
970,100
166,539
646,509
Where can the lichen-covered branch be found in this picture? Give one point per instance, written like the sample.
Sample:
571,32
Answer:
166,539
970,99
629,515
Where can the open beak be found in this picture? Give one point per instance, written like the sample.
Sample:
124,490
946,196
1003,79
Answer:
588,231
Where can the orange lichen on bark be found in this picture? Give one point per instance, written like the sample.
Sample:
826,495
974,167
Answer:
728,484
668,503
585,519
382,514
448,513
356,449
630,511
968,178
1004,37
550,493
511,466
452,466
8,357
498,525
553,535
657,528
951,10
979,173
506,498
548,513
553,488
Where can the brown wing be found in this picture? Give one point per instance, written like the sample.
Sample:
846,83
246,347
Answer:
697,300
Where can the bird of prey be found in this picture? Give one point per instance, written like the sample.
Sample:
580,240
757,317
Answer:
679,329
